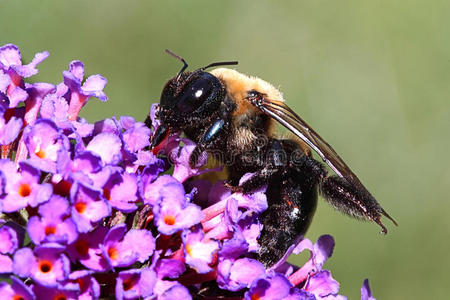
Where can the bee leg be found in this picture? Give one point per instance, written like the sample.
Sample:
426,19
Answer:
292,198
291,209
148,122
272,163
256,181
351,200
210,137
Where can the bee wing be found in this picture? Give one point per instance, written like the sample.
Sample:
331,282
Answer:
289,119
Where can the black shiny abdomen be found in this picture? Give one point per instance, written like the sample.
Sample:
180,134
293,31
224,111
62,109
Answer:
287,219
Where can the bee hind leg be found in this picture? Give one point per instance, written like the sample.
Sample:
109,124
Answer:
352,200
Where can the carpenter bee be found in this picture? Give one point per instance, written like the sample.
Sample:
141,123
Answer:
226,112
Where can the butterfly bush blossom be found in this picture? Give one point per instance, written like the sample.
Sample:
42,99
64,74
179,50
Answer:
88,211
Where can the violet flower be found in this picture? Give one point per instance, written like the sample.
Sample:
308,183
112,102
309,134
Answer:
9,130
108,217
47,265
66,293
53,224
22,187
11,66
79,93
85,284
17,290
173,212
269,288
135,283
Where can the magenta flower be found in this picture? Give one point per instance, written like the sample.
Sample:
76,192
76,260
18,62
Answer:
122,249
269,288
199,252
238,274
109,217
9,240
6,264
52,224
17,290
22,187
9,130
176,292
86,249
151,190
87,286
47,265
180,159
366,293
169,268
108,146
11,66
121,191
78,94
136,283
66,293
44,142
55,107
88,207
136,135
173,212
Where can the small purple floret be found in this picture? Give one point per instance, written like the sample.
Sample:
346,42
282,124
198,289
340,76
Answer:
366,293
22,188
173,213
53,225
269,288
133,284
17,290
46,264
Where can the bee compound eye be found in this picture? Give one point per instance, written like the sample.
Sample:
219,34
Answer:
195,94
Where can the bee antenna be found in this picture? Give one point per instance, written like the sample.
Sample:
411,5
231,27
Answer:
222,63
180,59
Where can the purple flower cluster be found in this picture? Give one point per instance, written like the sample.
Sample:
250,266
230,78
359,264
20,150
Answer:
88,211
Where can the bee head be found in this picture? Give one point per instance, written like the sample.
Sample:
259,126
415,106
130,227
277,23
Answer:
190,95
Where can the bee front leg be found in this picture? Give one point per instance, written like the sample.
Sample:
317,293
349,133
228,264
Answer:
210,138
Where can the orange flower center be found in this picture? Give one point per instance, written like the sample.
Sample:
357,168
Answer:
128,284
24,190
169,220
60,297
50,229
45,266
113,253
255,297
189,249
80,207
18,297
107,194
40,153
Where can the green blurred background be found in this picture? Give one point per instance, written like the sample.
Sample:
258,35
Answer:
372,77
